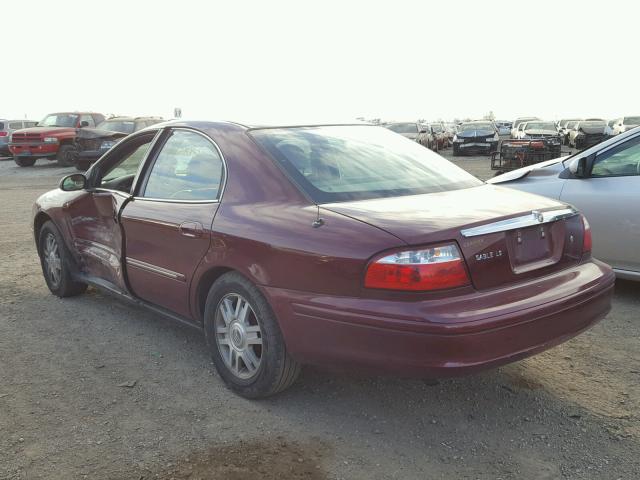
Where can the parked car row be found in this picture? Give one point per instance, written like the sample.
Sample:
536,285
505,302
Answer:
70,138
435,136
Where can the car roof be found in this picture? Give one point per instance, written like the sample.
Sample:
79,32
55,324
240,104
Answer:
126,117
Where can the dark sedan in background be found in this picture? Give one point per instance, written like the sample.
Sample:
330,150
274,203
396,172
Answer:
476,137
92,143
344,245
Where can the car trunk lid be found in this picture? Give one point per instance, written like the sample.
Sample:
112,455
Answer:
505,236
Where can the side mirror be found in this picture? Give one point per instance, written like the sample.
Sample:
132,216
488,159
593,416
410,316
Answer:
84,123
73,182
581,167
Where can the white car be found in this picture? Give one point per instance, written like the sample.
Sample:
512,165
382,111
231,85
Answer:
623,124
537,129
517,122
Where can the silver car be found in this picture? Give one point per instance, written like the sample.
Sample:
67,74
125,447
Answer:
6,129
604,183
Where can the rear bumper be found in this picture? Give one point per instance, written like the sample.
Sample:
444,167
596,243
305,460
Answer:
444,338
34,149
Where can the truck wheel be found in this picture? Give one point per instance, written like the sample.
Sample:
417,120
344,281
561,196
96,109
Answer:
24,162
66,155
245,340
83,165
56,263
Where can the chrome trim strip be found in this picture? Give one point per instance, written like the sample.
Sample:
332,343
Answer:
536,217
155,269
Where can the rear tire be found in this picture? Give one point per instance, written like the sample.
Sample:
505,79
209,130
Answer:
66,156
24,162
246,344
56,262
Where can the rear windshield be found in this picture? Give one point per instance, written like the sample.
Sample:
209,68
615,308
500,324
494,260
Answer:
342,163
122,126
631,120
1,126
403,128
437,128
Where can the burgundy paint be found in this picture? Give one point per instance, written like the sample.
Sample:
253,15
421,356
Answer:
313,277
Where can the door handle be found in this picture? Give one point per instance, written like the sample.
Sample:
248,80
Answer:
191,229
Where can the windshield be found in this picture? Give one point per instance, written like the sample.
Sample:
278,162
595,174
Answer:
437,128
403,128
475,126
540,126
631,121
341,163
571,124
59,120
122,126
593,123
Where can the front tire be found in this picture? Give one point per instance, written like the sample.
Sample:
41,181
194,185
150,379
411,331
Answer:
456,151
56,263
245,341
66,155
24,162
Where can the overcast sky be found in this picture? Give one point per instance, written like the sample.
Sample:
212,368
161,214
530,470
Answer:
274,61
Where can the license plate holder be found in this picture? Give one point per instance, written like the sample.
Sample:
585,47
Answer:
535,247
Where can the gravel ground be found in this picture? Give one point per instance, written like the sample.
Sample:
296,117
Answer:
93,388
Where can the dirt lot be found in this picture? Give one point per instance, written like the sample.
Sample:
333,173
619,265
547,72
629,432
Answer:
92,388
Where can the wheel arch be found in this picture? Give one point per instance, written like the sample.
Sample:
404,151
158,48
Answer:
203,286
40,219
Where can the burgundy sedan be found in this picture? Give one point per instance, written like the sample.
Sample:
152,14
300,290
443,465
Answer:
343,245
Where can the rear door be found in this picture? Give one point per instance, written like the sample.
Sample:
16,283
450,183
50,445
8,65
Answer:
610,199
167,225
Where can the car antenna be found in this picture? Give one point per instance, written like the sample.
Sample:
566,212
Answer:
318,222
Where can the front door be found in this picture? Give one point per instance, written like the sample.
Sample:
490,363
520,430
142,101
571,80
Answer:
94,216
167,225
610,200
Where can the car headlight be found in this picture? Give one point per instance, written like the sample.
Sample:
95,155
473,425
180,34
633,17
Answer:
50,140
456,139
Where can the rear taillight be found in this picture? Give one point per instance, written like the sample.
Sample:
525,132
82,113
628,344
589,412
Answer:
3,134
433,268
587,241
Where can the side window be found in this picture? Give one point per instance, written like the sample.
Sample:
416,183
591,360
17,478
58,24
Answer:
187,168
30,124
622,161
88,119
120,175
15,125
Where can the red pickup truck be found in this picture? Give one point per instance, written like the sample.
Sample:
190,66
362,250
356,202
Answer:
53,138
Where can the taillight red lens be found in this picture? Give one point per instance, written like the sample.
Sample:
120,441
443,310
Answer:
434,268
587,241
3,134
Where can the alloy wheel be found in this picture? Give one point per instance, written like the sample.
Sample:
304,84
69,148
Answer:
52,260
238,336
